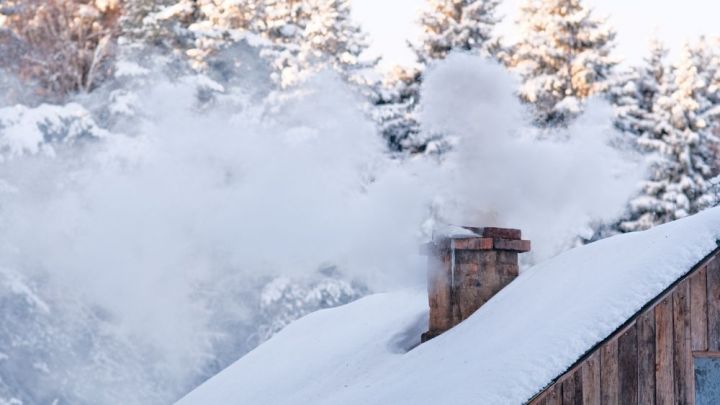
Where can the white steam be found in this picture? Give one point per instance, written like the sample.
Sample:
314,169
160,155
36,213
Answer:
500,174
135,226
136,223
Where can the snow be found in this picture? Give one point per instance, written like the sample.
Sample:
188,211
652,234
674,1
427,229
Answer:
512,347
15,283
348,350
25,130
127,68
452,231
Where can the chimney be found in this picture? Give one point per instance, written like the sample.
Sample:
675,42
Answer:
466,269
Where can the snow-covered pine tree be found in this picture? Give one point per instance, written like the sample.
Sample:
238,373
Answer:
164,25
447,25
134,26
284,299
563,57
333,38
679,130
461,25
284,22
308,35
635,93
196,29
395,109
298,36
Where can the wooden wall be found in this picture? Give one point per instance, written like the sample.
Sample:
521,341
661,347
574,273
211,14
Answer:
650,359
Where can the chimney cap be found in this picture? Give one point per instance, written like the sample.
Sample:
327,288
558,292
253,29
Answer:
461,232
478,238
496,233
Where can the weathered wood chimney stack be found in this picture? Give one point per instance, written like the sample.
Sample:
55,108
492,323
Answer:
466,270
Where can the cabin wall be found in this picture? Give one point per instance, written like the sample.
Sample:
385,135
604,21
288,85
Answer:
650,360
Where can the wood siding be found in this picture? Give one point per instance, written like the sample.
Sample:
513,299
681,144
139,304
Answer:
650,359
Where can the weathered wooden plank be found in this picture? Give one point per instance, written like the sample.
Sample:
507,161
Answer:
609,382
664,386
578,387
572,388
551,396
540,400
698,310
568,390
646,357
682,356
628,366
554,396
590,371
713,304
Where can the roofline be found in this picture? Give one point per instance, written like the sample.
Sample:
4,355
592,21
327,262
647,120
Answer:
630,320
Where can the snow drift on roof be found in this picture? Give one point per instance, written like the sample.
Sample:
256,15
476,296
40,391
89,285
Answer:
505,353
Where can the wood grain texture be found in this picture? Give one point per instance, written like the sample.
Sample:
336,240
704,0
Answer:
609,381
572,388
698,310
554,396
650,361
664,386
682,356
713,304
568,390
628,366
590,370
540,399
646,357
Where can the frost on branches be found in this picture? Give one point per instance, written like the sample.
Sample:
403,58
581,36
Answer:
45,129
395,109
563,58
635,94
284,300
673,116
447,26
297,38
457,25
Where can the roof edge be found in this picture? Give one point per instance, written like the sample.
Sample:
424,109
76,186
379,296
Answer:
715,253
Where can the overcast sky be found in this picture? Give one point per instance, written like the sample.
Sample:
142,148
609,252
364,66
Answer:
391,22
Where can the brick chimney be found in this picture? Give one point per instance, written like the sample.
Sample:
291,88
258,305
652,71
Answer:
466,269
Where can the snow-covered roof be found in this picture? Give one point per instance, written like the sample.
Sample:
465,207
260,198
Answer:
509,350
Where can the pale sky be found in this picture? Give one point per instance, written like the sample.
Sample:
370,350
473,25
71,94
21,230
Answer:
391,22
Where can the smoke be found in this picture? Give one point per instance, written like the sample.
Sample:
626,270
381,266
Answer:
134,225
137,224
502,173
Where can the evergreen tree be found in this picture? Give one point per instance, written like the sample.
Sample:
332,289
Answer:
677,129
464,25
447,25
635,94
332,38
196,29
168,26
309,35
296,37
395,110
133,24
563,57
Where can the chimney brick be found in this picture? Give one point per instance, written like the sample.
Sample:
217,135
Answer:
465,272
